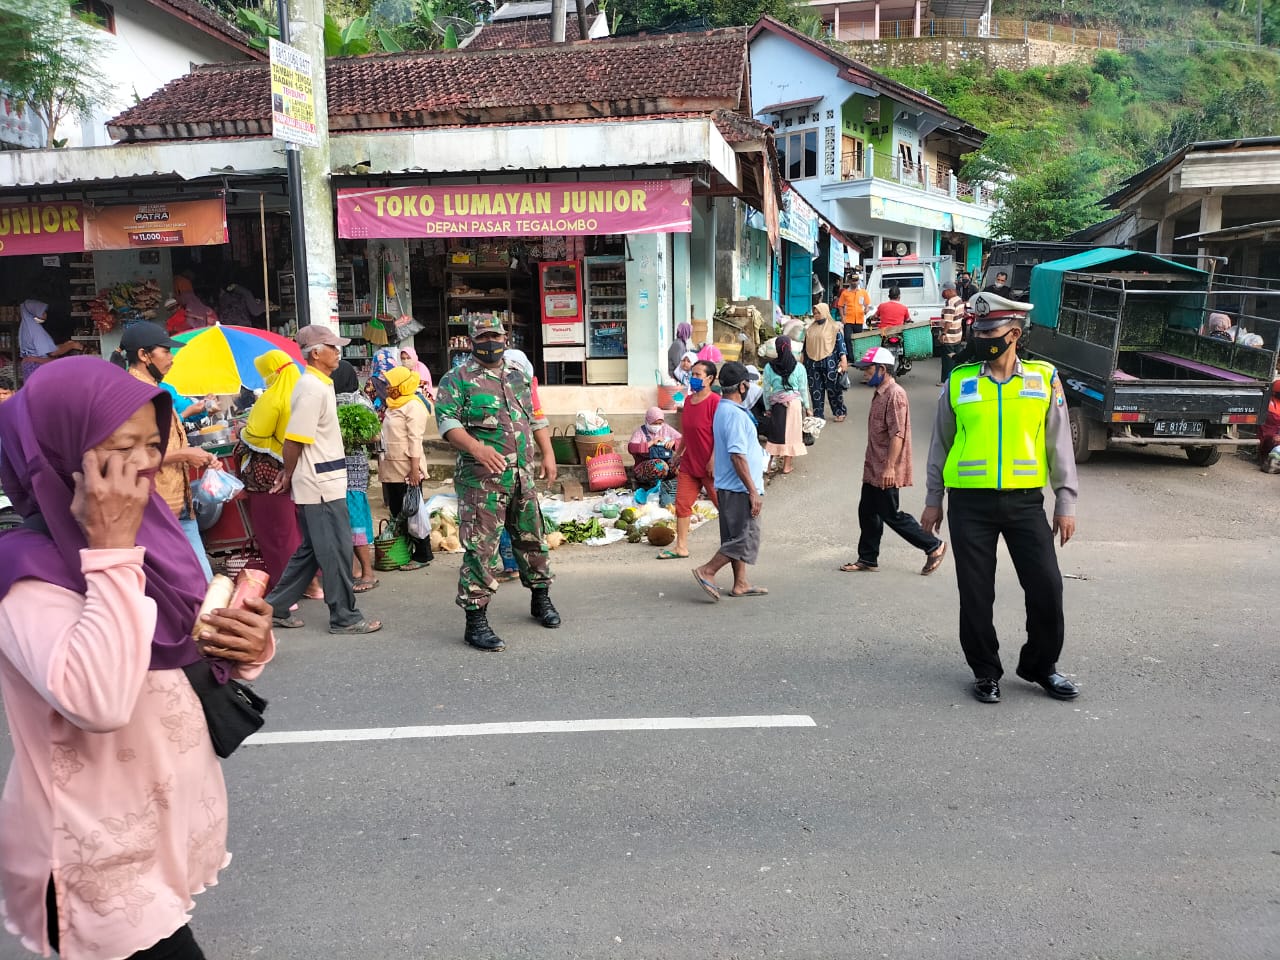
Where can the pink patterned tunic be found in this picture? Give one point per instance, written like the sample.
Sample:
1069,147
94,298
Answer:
114,790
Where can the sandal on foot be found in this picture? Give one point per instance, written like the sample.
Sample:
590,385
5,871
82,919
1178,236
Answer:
751,592
709,588
413,565
287,623
858,567
934,561
672,555
358,629
365,584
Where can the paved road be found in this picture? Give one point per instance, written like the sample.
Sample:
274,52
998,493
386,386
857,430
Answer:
909,822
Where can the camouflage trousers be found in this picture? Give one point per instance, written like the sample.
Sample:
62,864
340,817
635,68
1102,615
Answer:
482,514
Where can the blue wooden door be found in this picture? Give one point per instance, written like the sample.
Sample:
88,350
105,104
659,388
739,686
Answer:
799,281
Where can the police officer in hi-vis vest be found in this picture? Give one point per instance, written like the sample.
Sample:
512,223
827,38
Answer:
1000,434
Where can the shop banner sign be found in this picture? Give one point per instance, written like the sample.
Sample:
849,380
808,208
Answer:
516,210
799,222
186,223
39,228
293,101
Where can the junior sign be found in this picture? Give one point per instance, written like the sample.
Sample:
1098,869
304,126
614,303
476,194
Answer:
30,228
516,210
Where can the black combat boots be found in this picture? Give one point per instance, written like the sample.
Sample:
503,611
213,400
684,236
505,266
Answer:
541,608
479,634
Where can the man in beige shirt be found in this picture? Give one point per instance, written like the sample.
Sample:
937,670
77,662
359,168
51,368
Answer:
886,469
315,472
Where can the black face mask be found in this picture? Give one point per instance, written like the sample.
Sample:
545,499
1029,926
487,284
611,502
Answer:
156,375
993,349
488,351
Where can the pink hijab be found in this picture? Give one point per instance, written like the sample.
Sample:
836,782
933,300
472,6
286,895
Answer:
420,368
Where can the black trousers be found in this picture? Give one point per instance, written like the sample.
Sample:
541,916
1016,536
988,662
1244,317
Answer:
393,495
878,507
180,945
978,519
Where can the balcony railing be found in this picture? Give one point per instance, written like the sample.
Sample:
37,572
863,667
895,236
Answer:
937,179
864,30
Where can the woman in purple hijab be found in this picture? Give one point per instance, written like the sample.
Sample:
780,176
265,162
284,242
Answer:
114,810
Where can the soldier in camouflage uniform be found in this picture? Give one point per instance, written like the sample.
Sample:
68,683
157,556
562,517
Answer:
484,408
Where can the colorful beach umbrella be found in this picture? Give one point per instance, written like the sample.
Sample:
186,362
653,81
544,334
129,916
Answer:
219,359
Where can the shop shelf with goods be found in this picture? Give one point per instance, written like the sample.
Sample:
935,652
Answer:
10,320
473,288
83,294
605,294
286,318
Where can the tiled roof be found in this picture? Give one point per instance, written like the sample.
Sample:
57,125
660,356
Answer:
599,78
735,128
521,33
205,19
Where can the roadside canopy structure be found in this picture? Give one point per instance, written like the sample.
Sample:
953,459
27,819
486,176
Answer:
1046,278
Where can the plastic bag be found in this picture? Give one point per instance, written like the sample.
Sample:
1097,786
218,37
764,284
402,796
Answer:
416,517
590,424
216,486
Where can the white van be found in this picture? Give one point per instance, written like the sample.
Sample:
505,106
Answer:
920,279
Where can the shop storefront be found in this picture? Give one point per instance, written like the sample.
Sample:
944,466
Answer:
579,272
99,265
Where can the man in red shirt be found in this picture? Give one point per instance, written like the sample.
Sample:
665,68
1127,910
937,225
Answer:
696,470
892,313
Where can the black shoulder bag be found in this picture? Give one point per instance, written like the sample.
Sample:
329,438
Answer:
232,710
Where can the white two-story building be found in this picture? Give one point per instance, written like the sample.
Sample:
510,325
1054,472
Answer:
874,157
143,45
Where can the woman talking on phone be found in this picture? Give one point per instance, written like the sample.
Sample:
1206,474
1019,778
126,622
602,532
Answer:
114,813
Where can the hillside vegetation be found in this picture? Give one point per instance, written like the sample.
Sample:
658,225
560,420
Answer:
1221,20
1062,138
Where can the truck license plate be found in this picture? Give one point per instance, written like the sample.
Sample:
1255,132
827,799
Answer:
1179,428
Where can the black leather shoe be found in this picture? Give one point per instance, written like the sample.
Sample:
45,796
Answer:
1055,685
986,690
541,608
480,635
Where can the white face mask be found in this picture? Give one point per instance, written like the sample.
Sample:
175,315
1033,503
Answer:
406,362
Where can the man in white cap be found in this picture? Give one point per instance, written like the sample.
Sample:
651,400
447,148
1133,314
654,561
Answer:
886,469
315,473
1000,434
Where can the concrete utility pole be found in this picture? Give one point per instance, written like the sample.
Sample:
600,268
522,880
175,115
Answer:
314,277
559,9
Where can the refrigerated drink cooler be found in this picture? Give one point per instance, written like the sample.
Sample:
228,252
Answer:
605,294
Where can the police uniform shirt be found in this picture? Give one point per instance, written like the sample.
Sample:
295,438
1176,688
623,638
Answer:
1061,462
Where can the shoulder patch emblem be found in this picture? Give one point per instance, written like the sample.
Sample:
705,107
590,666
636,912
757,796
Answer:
969,391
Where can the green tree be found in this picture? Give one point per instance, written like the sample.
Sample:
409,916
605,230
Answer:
1050,201
49,61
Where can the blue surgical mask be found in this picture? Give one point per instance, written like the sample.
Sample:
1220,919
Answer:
696,384
876,379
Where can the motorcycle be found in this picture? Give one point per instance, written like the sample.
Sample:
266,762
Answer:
894,343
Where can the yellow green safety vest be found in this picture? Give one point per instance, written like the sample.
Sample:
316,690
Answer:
1000,443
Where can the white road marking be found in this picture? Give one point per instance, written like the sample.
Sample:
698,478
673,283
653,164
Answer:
530,726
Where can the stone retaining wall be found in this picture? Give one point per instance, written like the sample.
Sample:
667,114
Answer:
954,52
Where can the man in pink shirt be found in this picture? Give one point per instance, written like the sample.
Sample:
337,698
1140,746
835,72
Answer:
887,469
